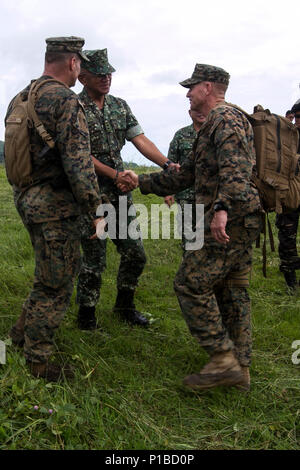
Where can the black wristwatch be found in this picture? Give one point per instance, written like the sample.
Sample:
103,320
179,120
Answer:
165,165
220,206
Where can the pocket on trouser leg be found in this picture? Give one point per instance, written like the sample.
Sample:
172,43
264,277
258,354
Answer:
57,255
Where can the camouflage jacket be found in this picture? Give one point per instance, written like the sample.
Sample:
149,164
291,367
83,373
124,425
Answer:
109,128
65,182
179,150
219,168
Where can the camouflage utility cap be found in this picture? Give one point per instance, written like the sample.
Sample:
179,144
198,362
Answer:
206,73
98,62
66,44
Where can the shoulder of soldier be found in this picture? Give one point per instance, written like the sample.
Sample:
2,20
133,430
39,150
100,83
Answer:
227,111
115,101
184,131
57,90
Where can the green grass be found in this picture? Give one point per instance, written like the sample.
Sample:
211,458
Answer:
127,393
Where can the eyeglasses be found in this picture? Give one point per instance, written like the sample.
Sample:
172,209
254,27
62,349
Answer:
297,116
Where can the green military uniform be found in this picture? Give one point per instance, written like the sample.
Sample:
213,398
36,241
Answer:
64,186
179,150
109,128
287,224
210,284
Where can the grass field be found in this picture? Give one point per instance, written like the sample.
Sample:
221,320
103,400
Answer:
127,393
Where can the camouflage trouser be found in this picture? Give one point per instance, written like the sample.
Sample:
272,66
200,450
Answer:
287,225
132,261
187,225
218,315
57,255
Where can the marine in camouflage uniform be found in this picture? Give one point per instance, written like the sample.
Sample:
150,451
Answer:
111,122
211,282
287,224
64,186
180,148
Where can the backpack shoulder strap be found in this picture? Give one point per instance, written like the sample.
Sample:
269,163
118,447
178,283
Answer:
32,98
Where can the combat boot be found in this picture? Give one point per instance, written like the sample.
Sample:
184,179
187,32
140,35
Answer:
125,308
244,385
17,331
291,280
50,372
86,319
223,369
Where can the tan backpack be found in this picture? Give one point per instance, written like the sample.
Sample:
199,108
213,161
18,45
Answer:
17,147
277,174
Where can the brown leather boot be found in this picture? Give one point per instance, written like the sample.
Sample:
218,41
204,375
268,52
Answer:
244,385
17,331
50,372
223,369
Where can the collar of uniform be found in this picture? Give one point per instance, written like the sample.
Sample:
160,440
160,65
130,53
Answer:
87,101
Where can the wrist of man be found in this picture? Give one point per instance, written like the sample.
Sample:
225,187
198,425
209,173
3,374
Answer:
166,164
115,179
220,206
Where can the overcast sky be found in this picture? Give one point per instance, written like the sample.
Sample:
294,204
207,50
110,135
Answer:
154,44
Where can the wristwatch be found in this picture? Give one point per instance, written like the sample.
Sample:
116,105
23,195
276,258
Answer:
165,165
220,206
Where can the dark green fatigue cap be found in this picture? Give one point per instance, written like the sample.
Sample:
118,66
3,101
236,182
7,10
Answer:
98,62
206,73
66,44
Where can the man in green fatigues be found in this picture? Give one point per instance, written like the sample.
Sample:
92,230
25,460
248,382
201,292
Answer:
111,123
64,185
211,282
287,224
180,148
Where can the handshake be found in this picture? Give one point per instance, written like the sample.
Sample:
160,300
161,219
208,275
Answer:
127,180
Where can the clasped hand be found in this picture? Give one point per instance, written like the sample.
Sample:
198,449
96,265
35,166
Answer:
127,180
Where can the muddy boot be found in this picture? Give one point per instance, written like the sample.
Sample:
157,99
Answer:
17,331
50,372
125,307
223,369
86,318
244,385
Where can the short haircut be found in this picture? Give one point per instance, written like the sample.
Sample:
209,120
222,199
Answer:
51,57
289,111
220,87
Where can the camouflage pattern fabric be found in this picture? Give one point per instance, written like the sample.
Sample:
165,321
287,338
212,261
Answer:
97,62
65,182
206,73
109,129
57,255
64,186
287,224
180,148
220,169
132,261
66,44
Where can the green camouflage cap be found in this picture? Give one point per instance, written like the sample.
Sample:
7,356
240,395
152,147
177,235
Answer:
66,44
206,73
98,62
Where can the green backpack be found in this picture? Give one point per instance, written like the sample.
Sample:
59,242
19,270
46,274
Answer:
17,147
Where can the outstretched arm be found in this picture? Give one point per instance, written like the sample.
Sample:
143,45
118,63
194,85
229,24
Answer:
150,151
